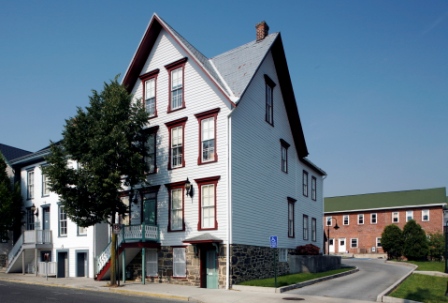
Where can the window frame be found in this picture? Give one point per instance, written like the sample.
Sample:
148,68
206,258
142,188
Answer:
213,113
291,217
149,76
411,217
30,221
354,243
305,183
305,227
30,184
45,185
62,222
171,187
171,125
155,269
348,219
284,155
179,252
378,242
209,181
361,219
179,64
269,100
328,221
153,156
427,215
373,218
81,231
313,229
395,217
313,188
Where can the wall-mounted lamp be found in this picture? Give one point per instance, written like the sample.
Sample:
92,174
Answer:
189,188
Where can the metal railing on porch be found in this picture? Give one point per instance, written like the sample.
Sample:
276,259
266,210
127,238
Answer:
36,236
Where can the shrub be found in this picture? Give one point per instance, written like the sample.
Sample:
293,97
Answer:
391,241
415,245
308,249
436,245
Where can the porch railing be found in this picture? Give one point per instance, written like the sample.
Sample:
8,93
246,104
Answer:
48,269
37,236
15,249
128,233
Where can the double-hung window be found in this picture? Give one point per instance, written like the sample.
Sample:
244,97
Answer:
176,206
176,138
345,219
425,215
313,188
207,199
409,215
151,263
354,243
361,219
284,155
176,84
395,217
45,185
313,229
207,133
179,262
151,146
29,219
305,227
373,218
269,100
291,217
328,221
62,221
305,183
149,81
30,185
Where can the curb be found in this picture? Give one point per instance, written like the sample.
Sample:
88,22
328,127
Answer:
382,297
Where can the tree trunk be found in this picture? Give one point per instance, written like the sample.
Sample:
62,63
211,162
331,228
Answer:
113,252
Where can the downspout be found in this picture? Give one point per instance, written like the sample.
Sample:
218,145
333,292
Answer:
229,197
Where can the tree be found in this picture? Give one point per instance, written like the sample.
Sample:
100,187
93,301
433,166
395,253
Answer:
10,203
436,246
107,141
415,243
391,241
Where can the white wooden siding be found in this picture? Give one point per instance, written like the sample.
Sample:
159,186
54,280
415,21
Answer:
259,187
200,95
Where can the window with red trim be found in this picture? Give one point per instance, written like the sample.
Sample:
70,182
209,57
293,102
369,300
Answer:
207,202
176,130
176,220
207,136
149,81
176,84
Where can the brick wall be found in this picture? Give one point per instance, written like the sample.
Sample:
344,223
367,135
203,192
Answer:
367,233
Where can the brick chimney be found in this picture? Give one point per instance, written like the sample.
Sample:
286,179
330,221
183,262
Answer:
262,30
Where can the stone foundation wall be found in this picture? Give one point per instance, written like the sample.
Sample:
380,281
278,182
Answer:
254,262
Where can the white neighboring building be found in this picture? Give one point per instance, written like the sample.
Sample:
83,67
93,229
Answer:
230,126
48,231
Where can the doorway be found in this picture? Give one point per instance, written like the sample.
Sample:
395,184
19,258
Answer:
81,264
209,268
62,264
331,246
342,245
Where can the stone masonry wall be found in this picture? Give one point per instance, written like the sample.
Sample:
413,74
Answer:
254,262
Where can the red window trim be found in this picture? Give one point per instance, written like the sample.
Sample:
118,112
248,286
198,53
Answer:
207,181
145,77
170,67
201,116
170,125
170,187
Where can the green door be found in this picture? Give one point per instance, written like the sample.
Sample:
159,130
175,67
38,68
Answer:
211,271
149,211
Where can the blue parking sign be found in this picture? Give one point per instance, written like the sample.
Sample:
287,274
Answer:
274,241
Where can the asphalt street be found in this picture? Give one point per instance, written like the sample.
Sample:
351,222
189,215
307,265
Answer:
374,277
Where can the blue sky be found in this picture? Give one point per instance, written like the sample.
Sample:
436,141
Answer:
370,77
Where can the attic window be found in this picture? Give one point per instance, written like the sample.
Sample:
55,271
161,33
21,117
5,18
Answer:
176,84
269,100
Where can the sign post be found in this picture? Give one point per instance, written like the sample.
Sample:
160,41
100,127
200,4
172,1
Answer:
274,244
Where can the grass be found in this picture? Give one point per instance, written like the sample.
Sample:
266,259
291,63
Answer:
293,279
422,288
430,266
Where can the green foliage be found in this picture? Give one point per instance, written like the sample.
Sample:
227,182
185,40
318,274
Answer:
436,246
391,241
422,288
415,243
429,265
107,143
10,203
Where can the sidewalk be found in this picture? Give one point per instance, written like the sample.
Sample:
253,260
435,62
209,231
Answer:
175,292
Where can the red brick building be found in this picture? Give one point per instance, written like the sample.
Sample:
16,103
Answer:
361,219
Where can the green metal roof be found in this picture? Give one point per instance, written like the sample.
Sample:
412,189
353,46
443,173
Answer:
386,200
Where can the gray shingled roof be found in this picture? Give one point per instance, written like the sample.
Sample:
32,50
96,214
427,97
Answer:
239,65
10,152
